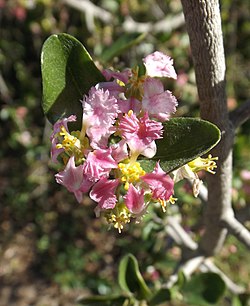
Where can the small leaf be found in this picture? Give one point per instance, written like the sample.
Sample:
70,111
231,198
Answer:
130,278
161,296
184,140
123,43
204,288
68,72
181,279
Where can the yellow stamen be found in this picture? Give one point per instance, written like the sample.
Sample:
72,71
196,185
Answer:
118,217
130,113
208,164
172,200
119,82
130,173
164,203
71,144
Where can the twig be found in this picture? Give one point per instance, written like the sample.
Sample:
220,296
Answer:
4,90
237,229
188,268
198,261
165,25
240,114
180,236
92,11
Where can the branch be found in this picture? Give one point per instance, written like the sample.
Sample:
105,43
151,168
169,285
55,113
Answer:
203,25
234,224
91,11
237,229
165,25
240,115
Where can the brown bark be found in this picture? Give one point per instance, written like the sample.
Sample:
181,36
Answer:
203,25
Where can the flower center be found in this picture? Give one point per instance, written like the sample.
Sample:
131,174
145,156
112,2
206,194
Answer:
131,173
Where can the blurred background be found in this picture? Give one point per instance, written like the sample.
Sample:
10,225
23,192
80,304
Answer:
52,249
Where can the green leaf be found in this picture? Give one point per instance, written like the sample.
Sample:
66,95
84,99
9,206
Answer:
130,278
244,299
68,72
204,289
107,300
161,296
123,43
184,140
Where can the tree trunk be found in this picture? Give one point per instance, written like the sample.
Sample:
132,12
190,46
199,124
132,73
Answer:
203,24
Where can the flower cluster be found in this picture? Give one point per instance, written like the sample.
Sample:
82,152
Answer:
121,120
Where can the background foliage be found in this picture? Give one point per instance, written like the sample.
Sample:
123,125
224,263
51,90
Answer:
51,244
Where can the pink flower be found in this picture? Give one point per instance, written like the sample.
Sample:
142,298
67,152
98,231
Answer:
54,137
245,175
73,179
103,192
100,109
159,65
140,133
134,200
158,103
160,183
98,164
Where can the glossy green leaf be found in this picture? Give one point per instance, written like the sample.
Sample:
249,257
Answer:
123,43
204,289
130,278
184,140
68,72
161,296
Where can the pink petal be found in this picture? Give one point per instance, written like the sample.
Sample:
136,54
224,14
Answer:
103,192
140,133
134,200
98,164
158,103
129,104
159,65
100,110
73,179
119,151
122,76
160,183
